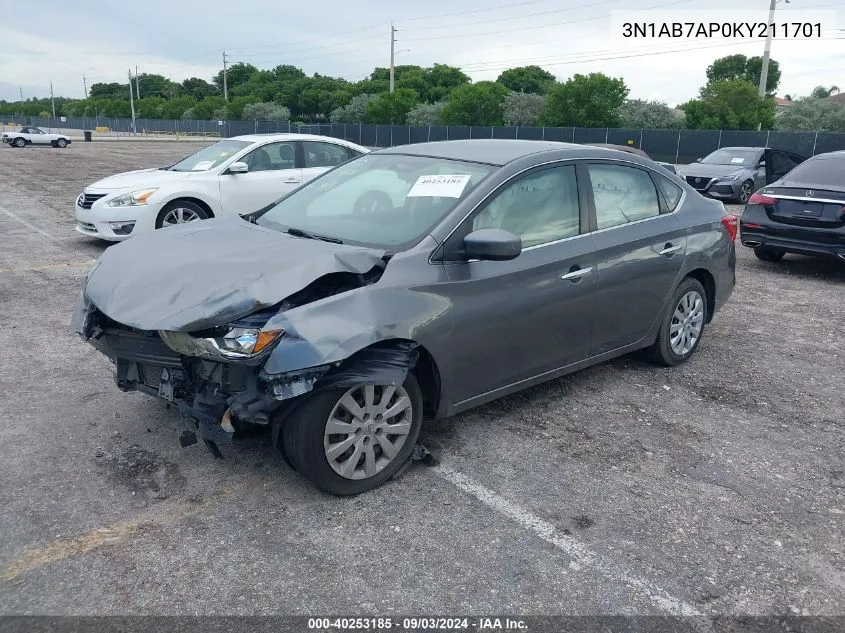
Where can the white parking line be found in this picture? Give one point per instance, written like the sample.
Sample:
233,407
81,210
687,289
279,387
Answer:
31,227
581,556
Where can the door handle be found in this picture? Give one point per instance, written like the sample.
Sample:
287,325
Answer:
575,275
670,250
292,181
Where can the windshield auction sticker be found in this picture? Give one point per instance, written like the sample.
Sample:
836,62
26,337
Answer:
682,25
439,186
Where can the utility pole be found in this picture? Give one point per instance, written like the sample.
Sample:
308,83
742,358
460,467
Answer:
131,101
225,86
137,85
85,86
392,54
764,71
52,102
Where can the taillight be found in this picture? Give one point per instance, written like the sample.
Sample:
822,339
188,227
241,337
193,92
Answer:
757,198
730,224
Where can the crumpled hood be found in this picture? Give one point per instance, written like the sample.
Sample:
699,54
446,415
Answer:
713,171
139,178
208,273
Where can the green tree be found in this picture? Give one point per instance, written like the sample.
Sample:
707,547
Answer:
353,112
729,105
820,92
198,88
739,67
531,79
392,107
522,108
651,115
236,75
812,115
585,101
265,112
442,80
475,104
109,91
155,86
426,113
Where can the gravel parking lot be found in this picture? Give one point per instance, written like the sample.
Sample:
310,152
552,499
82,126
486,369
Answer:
717,487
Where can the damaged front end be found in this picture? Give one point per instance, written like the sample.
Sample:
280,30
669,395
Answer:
216,377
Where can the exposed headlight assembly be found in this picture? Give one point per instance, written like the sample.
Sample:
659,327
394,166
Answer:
133,198
237,342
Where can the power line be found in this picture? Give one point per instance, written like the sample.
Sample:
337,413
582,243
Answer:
449,15
541,26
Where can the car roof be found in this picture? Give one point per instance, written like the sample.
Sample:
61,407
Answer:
291,136
755,149
500,152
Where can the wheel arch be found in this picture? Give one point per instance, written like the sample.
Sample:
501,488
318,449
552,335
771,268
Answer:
191,198
706,279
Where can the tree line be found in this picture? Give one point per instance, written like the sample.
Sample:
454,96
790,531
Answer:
444,95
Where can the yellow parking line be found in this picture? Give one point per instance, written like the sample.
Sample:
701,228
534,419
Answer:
23,269
65,548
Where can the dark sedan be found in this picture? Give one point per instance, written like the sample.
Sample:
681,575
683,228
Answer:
734,173
804,212
486,267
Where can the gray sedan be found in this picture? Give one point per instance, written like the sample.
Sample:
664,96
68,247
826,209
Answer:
471,270
734,173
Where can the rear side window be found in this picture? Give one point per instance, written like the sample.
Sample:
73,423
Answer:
824,172
671,192
622,195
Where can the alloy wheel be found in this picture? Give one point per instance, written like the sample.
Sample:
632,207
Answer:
179,215
366,429
745,192
687,321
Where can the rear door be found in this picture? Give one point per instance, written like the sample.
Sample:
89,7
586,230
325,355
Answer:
320,156
640,246
273,172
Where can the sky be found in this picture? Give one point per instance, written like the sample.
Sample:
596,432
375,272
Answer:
60,42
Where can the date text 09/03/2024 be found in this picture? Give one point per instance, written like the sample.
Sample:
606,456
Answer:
792,30
416,624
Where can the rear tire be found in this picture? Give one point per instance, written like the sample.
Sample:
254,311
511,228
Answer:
180,212
683,325
768,254
307,445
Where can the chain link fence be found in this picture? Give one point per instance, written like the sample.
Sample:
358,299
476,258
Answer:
674,146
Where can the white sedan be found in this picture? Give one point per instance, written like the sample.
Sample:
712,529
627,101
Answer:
34,136
237,175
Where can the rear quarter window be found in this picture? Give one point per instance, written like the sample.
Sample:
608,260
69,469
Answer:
671,192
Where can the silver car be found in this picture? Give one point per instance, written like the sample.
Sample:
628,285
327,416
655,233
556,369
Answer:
734,173
473,269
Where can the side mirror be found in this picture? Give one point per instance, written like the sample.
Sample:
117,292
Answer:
762,163
492,244
238,168
697,160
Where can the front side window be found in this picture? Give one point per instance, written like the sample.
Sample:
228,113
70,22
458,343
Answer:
379,200
540,207
319,154
272,157
211,156
622,195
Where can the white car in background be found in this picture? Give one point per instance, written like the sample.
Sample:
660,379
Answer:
236,175
35,136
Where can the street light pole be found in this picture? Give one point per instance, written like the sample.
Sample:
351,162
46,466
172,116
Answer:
764,71
392,53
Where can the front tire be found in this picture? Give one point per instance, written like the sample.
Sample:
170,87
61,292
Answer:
349,441
768,254
683,325
180,212
61,143
745,191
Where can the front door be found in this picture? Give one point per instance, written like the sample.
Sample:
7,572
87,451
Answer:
513,320
640,247
273,172
779,163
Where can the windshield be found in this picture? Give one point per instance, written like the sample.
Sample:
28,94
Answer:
210,157
381,200
737,157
